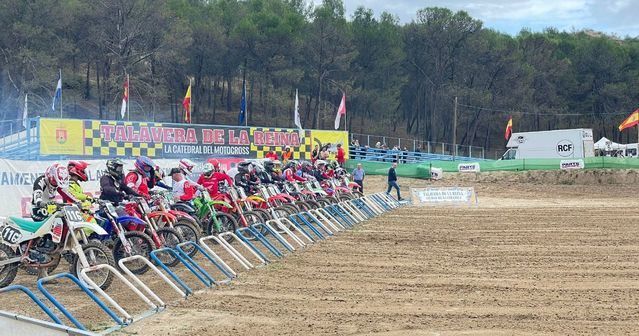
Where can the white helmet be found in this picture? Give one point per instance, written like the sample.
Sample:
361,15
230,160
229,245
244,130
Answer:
320,162
208,168
186,166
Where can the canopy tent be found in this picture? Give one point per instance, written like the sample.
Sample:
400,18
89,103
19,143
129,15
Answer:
604,144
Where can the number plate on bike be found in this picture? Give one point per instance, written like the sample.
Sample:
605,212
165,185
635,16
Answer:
72,214
145,206
207,196
11,234
111,209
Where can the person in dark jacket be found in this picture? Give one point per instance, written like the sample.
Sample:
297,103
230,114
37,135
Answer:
392,181
112,188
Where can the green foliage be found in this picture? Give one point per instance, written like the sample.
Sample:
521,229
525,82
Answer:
399,78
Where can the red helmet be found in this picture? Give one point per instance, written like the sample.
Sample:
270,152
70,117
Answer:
78,168
57,176
215,163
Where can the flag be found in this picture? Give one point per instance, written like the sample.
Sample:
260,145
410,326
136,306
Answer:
25,112
57,96
632,120
125,97
340,111
509,128
187,105
298,122
242,117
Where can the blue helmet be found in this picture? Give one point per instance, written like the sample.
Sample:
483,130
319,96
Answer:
144,165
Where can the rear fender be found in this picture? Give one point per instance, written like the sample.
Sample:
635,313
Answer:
183,214
129,219
163,216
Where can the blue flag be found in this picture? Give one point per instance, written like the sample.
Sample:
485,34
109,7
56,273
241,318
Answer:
58,92
242,116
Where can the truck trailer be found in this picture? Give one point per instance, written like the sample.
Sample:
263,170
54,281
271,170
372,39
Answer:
558,144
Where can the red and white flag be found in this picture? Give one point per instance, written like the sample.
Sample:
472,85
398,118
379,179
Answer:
125,97
340,111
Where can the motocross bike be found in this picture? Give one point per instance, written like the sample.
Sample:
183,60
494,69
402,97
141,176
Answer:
42,244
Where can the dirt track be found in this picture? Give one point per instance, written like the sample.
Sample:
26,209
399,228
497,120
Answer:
529,260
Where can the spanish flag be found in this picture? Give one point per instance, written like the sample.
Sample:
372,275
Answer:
631,121
509,128
187,105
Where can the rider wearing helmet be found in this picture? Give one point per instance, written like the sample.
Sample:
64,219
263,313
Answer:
138,178
112,188
306,169
212,176
77,174
260,172
274,169
320,171
54,181
290,172
245,177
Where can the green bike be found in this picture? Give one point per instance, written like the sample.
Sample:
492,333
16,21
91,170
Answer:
214,222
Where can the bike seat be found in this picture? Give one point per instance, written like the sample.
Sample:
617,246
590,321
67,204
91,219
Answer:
27,224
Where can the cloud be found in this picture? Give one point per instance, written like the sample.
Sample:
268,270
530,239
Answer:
612,16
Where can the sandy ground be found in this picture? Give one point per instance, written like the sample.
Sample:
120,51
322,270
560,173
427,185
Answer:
536,258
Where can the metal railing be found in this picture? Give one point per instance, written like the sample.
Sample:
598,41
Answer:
417,146
391,155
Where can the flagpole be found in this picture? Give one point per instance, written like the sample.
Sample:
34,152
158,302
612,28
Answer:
128,98
60,93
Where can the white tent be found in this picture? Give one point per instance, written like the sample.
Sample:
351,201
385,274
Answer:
606,145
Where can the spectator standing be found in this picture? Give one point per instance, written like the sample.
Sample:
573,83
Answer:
315,154
287,155
271,155
358,176
392,181
340,155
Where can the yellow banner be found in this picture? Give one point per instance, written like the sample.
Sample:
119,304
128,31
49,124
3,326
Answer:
331,138
61,136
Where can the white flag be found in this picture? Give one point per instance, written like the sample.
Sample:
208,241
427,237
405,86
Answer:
125,97
340,111
298,122
25,112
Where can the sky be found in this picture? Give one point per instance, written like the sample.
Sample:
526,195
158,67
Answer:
614,17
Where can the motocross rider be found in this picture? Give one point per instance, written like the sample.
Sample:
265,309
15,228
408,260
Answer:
290,172
212,176
111,185
245,177
138,178
54,181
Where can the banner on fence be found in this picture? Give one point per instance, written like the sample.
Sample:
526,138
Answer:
572,164
469,167
444,196
97,138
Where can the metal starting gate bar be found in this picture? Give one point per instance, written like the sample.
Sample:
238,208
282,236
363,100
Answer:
228,249
236,254
314,219
228,275
161,304
319,215
287,224
336,212
301,221
166,268
269,223
127,317
257,227
35,299
84,288
259,237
